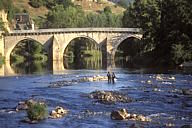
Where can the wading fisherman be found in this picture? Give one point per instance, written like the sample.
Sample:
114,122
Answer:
113,77
109,77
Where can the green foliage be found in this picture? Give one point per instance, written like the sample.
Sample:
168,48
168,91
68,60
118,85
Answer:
107,9
37,111
63,17
28,50
17,58
124,3
36,3
50,3
7,5
180,54
167,27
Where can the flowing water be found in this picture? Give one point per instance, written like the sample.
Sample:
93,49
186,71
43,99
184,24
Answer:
159,99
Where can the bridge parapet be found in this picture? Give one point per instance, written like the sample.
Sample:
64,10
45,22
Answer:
74,30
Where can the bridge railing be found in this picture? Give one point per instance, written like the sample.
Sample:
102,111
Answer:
66,30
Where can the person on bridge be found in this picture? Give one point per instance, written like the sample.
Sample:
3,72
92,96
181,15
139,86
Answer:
109,77
113,77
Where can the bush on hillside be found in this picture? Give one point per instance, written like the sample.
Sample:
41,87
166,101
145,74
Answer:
36,3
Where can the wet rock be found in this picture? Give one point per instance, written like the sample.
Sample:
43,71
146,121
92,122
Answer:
59,112
94,78
169,125
187,91
122,114
159,77
23,105
186,104
157,90
7,110
171,78
108,97
149,81
187,126
58,84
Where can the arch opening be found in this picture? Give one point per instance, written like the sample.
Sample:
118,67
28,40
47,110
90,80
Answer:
82,53
127,52
29,56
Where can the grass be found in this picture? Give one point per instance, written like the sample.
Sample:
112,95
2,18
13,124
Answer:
37,111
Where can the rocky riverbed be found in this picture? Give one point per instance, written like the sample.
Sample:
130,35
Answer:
62,83
135,100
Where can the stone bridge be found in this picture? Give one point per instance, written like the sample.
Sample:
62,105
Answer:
55,41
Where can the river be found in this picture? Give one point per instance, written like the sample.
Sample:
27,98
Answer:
159,99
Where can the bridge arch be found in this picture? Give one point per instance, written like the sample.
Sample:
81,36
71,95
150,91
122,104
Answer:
76,37
9,47
114,50
13,41
78,50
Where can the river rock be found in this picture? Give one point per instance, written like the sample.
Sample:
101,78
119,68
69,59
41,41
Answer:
109,97
63,83
94,78
23,105
187,91
187,126
159,77
122,114
58,84
59,112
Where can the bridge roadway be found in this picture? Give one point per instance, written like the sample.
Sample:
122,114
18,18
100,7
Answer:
55,41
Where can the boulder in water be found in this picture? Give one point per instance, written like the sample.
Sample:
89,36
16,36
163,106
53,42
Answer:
187,91
187,126
108,97
59,112
123,114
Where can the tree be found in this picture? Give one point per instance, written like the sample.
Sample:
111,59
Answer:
167,26
107,9
61,17
7,5
36,3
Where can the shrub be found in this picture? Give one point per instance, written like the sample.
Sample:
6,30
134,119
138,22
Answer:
36,3
37,111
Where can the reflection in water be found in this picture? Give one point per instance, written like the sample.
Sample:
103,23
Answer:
83,53
30,67
83,63
29,57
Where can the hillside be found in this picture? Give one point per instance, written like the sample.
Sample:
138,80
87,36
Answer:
96,7
34,12
87,7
